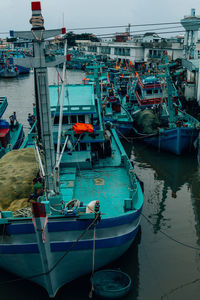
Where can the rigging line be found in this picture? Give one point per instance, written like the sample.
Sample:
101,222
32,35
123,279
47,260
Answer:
138,31
171,238
114,35
118,26
59,260
162,32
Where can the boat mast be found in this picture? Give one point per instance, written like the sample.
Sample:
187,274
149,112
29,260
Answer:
170,89
38,34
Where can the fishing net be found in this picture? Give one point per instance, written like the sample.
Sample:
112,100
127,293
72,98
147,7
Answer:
17,170
147,122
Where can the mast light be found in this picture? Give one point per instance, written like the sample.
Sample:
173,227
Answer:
36,5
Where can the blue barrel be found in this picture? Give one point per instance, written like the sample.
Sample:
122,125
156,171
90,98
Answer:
111,284
4,124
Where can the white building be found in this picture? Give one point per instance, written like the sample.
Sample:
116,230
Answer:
148,49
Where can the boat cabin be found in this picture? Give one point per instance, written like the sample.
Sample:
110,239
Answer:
80,107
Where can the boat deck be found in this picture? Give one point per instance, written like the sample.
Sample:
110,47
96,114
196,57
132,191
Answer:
108,185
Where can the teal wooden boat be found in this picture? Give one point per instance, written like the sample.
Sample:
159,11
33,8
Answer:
92,201
115,112
11,137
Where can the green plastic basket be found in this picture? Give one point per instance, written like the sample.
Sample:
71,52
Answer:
111,284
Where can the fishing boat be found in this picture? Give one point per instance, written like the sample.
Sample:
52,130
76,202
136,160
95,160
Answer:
113,106
164,125
90,212
115,112
11,135
8,69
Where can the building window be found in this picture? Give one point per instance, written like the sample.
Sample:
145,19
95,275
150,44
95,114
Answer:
92,48
122,51
105,50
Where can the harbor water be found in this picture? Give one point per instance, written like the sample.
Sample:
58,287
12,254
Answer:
164,260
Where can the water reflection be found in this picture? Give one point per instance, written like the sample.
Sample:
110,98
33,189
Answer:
167,177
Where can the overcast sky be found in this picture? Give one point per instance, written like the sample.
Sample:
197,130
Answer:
15,14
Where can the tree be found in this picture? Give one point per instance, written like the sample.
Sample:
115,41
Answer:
72,37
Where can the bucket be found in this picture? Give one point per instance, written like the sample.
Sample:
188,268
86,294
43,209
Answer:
111,284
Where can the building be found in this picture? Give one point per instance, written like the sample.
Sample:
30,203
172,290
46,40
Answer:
140,49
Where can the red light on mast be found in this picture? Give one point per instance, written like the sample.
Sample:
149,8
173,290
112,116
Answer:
36,5
63,30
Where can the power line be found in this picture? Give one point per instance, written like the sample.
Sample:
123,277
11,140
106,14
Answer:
164,32
138,31
127,25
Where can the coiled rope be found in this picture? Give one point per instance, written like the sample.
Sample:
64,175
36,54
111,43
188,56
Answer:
37,21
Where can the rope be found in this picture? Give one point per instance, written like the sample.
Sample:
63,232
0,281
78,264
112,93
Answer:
171,238
37,21
23,212
93,262
58,261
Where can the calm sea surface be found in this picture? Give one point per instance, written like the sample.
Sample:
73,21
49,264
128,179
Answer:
164,260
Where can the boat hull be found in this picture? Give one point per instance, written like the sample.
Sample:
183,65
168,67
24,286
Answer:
16,140
123,128
21,255
177,140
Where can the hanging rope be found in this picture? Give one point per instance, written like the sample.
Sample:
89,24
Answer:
60,259
93,262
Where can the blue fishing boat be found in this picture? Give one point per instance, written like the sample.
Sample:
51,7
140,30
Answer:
90,211
115,112
170,128
11,134
113,107
8,69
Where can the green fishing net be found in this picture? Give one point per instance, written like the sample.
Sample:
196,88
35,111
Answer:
147,122
17,170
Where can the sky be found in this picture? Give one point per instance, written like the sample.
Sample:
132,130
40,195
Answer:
15,14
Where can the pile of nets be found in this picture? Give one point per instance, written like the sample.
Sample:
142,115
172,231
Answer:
147,122
17,170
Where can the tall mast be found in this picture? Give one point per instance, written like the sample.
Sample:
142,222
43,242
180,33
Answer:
170,89
38,34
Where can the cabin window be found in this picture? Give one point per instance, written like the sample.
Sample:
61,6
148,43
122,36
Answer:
155,91
56,120
83,147
65,119
73,119
149,92
81,119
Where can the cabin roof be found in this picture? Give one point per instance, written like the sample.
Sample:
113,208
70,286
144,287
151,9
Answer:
79,98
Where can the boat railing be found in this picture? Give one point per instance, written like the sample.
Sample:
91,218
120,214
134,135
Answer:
189,118
30,136
97,135
3,105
